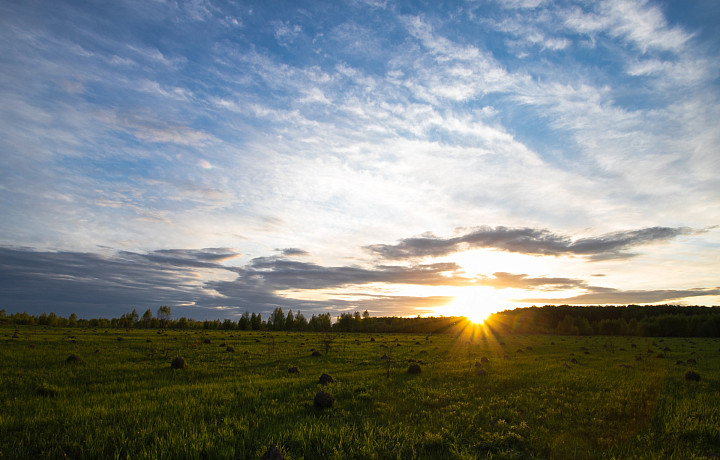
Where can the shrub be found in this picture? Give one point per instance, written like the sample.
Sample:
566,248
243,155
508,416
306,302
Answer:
692,375
230,349
316,353
325,379
293,370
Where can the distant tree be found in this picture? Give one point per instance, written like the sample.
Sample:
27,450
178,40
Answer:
300,322
147,317
255,322
244,321
163,315
72,320
325,322
289,321
277,318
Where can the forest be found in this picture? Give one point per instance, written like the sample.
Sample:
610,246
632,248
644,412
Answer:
629,320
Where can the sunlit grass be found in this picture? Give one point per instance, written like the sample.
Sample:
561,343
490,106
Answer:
533,402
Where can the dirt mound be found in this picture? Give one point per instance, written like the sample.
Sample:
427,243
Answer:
316,353
74,359
293,370
481,372
325,379
692,376
691,361
273,453
323,400
178,363
230,349
414,369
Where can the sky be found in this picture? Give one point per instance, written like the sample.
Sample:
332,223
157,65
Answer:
405,158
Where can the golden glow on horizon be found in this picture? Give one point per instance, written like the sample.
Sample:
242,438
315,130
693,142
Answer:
474,303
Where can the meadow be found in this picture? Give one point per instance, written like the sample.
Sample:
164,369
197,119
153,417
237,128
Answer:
478,395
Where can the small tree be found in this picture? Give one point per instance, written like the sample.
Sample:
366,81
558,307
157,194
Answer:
327,342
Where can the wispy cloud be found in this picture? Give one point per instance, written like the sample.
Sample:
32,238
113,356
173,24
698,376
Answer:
607,296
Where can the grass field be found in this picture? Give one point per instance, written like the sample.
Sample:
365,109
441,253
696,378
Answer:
617,400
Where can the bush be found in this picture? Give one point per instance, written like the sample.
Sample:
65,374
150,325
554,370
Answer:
325,379
692,376
414,369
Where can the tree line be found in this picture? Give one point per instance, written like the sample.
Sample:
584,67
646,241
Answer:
630,320
276,321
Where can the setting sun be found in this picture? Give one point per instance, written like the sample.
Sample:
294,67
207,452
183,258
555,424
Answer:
474,303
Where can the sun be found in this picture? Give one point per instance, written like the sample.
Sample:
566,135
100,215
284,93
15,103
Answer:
474,303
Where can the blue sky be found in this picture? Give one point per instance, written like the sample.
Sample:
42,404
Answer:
401,157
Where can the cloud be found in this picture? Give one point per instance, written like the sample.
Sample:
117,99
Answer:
149,129
280,273
293,252
528,241
601,296
503,280
196,282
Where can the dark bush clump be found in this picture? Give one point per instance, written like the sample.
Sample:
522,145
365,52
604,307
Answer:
230,349
574,361
273,453
691,361
316,353
484,360
178,363
372,339
293,370
414,369
481,372
74,359
692,375
206,340
679,362
325,379
323,400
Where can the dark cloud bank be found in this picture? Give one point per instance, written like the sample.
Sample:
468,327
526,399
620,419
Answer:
93,285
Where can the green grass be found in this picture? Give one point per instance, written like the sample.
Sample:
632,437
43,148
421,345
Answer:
126,402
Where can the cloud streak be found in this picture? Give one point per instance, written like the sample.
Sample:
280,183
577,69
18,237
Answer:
528,241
